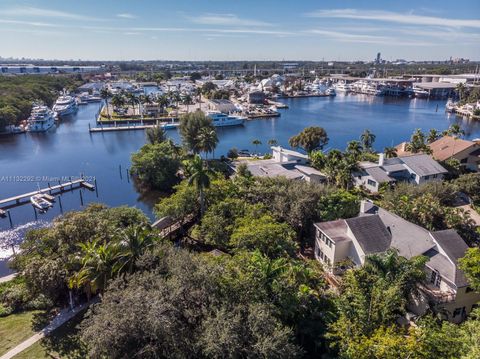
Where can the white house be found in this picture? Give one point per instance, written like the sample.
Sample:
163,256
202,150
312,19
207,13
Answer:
283,155
346,242
417,169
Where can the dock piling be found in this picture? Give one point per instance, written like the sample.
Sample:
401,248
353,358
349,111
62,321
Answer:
81,197
60,203
35,211
120,171
10,219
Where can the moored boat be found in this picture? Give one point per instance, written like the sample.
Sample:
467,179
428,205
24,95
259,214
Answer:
39,202
220,119
41,119
65,105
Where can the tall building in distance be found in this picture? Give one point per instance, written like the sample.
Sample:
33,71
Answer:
378,60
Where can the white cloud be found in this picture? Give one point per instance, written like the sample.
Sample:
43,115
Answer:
28,23
226,20
27,11
389,16
369,39
126,16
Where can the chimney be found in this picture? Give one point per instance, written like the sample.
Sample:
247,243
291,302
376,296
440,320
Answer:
367,206
381,159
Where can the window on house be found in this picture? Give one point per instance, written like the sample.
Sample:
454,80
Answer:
427,178
464,160
469,289
434,176
458,311
435,279
372,183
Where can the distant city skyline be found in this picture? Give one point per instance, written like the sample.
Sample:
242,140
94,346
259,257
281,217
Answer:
240,30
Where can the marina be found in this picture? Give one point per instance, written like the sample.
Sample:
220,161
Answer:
70,150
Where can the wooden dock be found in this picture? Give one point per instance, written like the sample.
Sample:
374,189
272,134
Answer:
62,187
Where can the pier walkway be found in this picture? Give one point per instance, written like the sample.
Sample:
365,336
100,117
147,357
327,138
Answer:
61,187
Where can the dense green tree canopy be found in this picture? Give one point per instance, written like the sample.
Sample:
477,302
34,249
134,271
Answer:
50,257
310,139
156,165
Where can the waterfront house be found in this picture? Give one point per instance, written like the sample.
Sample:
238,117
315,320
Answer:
416,169
448,147
285,163
345,243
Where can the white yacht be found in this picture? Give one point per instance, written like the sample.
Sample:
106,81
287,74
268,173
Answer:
65,105
342,87
41,119
85,98
220,119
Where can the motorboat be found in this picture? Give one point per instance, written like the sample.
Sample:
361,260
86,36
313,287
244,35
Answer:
450,106
41,119
39,202
85,98
330,92
220,119
65,105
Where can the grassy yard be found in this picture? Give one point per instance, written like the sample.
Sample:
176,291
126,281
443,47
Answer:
14,329
62,343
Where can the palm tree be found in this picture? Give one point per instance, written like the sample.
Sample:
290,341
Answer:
256,143
433,135
155,134
187,100
99,265
163,102
132,100
105,94
199,176
456,131
390,152
118,100
208,139
460,88
132,243
354,148
272,142
367,138
198,91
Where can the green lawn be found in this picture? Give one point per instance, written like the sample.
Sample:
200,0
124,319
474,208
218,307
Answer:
14,329
62,343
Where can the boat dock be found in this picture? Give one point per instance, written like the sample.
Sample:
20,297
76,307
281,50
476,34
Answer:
48,191
165,126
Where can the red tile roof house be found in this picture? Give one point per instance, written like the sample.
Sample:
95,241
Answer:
447,147
375,230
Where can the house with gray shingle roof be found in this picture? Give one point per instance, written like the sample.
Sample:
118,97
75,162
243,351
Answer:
346,243
417,169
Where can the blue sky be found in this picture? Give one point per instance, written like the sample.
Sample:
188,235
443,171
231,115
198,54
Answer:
239,30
